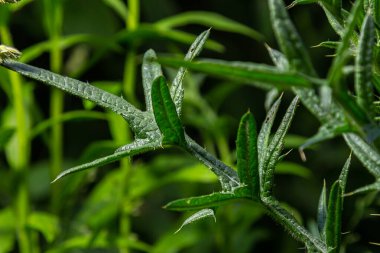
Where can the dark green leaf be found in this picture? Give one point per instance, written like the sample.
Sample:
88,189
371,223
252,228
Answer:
344,174
363,66
247,156
208,201
258,74
273,152
334,218
366,153
165,114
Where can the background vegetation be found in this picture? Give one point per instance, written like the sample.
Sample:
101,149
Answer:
117,208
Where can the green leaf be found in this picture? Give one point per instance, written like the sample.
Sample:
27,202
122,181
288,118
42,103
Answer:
289,40
176,90
375,8
258,74
367,154
150,71
198,216
84,90
322,212
119,7
214,20
147,32
278,59
367,188
165,114
137,147
344,174
5,136
295,169
264,134
247,156
274,149
334,218
208,201
45,223
363,66
335,76
296,2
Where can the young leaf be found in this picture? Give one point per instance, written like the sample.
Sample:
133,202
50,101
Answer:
334,218
275,147
367,188
198,216
206,201
165,114
176,90
7,53
363,66
322,212
150,71
247,156
263,138
344,174
137,147
367,154
289,40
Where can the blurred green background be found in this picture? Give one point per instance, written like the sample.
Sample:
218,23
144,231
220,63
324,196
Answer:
118,208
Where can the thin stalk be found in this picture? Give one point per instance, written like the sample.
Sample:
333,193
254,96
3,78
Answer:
56,102
21,204
129,79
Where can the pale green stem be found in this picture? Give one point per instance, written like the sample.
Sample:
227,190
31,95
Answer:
129,79
21,204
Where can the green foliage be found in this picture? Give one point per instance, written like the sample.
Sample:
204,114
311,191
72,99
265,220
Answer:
167,120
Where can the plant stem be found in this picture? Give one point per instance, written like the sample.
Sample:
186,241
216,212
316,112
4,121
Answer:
57,99
21,204
128,87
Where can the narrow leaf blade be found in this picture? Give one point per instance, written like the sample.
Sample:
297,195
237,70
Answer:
151,69
176,90
198,216
165,114
208,201
247,156
322,211
334,218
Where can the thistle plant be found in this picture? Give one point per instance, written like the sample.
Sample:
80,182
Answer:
258,151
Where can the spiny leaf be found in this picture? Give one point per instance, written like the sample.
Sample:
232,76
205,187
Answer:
150,71
207,201
363,66
289,40
334,218
344,174
247,156
366,153
176,90
84,90
335,76
137,147
322,212
275,147
198,216
259,74
165,114
263,137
